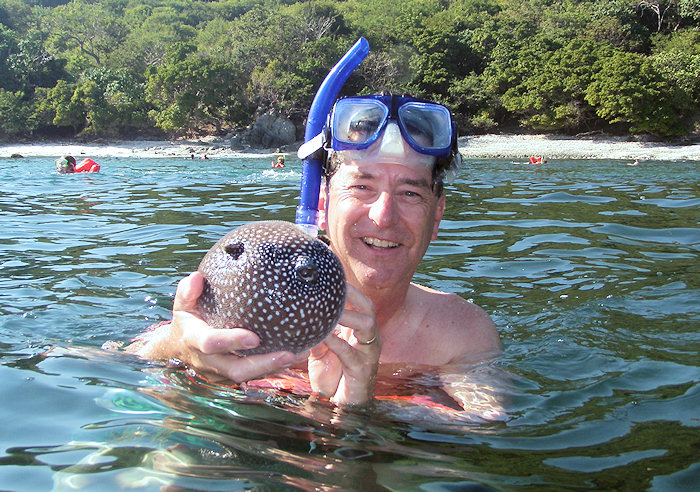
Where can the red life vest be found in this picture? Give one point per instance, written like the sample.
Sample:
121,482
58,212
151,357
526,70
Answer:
87,166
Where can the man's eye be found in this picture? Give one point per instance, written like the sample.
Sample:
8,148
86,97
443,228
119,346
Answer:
361,131
364,126
412,194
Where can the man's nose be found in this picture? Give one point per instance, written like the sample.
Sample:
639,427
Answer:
392,143
383,211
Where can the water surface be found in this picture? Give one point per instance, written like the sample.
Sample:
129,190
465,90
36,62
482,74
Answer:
589,268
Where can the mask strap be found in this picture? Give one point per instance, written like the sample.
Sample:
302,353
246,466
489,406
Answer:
310,146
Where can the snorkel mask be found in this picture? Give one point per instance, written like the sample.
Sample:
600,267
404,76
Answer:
388,128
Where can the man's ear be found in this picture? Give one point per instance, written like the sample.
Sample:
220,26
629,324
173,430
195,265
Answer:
322,197
439,211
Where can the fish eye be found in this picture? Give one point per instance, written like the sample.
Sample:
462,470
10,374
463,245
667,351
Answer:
306,270
306,274
234,250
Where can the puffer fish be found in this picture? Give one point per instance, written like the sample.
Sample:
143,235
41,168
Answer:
272,278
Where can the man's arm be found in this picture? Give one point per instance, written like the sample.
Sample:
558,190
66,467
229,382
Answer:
469,378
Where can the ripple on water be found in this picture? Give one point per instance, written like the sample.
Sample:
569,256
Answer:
588,269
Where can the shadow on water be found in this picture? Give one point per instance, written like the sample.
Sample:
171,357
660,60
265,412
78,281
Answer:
589,268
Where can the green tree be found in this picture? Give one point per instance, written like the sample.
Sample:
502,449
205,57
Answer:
190,92
442,56
549,89
689,11
101,67
152,30
29,65
671,13
90,28
8,46
119,101
55,107
628,91
473,103
17,113
677,59
288,86
373,20
15,15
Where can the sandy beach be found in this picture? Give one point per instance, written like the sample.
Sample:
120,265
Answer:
514,147
520,147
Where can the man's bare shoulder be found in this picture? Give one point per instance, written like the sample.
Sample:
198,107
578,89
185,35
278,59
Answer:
466,326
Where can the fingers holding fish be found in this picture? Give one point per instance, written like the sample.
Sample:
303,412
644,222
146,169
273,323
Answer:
241,369
346,370
168,341
262,293
211,341
188,291
358,373
363,334
195,332
361,319
211,351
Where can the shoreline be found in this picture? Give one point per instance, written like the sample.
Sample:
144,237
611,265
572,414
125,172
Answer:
516,147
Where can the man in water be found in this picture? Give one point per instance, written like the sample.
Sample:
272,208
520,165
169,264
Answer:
381,205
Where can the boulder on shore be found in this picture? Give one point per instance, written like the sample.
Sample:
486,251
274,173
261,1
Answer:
271,130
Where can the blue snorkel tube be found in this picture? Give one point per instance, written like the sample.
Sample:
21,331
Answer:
312,167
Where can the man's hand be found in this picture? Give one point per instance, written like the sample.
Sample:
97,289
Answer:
344,367
191,340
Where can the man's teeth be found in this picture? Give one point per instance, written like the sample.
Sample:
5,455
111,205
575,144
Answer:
379,243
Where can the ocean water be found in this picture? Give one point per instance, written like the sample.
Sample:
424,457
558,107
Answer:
589,268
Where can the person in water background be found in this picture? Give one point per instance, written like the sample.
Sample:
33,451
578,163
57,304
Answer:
280,161
65,164
68,165
381,204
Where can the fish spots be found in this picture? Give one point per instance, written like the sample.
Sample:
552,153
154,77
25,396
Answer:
275,280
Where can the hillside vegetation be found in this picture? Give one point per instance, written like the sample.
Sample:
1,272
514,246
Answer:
99,68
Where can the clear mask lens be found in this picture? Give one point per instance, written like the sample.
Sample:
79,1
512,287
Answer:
429,126
390,148
357,122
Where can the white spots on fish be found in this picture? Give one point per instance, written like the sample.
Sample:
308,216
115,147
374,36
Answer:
275,280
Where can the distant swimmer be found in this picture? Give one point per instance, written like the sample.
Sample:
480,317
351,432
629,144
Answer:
65,164
635,163
279,163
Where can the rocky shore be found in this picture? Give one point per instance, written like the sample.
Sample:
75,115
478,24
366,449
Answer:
514,147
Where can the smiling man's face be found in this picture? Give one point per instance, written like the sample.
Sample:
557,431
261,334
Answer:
381,218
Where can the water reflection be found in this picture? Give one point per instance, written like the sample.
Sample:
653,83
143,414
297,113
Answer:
590,270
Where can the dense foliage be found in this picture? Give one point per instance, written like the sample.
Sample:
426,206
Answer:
115,67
